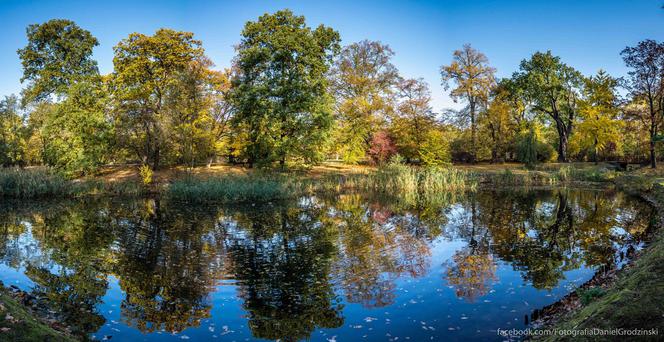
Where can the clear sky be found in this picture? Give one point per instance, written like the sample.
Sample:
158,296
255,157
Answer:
587,34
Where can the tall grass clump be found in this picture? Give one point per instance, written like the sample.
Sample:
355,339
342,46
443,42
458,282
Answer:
415,182
234,188
31,183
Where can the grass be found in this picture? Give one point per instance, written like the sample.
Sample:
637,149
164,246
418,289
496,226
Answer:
234,188
44,183
17,324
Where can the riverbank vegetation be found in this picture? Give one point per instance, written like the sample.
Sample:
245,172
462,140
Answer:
18,324
634,298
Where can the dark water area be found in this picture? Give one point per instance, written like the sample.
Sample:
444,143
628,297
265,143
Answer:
339,268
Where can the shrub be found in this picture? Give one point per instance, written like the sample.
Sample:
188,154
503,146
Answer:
590,294
146,174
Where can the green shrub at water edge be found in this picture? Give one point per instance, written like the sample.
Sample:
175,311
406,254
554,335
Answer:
588,295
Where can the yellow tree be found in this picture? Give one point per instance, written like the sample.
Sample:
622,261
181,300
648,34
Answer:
498,121
598,110
474,78
413,117
363,82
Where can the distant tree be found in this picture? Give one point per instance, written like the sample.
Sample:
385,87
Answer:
58,54
148,75
527,148
280,90
412,118
499,120
13,133
382,147
553,89
363,81
434,149
646,81
473,78
598,111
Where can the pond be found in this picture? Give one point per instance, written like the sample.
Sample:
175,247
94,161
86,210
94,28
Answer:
339,268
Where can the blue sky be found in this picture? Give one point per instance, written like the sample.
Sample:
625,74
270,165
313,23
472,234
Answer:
588,34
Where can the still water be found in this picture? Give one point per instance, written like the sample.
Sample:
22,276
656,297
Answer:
338,268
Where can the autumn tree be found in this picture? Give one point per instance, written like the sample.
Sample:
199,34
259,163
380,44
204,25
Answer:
58,54
280,90
598,111
413,117
381,147
148,74
552,89
498,120
646,82
13,133
363,81
473,79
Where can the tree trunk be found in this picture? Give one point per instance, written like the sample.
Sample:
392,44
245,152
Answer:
473,134
155,160
562,146
653,133
653,160
595,156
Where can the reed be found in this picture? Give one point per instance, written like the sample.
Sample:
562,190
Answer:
30,183
233,188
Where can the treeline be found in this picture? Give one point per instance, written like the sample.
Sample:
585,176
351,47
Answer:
295,96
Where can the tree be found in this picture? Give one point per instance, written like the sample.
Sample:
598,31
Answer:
280,90
13,133
77,131
598,110
435,149
552,89
646,81
474,78
382,147
413,117
58,54
148,72
499,121
363,81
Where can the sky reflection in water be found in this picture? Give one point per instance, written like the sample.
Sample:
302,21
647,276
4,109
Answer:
340,268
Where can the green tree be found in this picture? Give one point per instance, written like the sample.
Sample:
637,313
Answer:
148,72
363,81
13,133
474,78
280,91
77,132
552,89
58,54
598,111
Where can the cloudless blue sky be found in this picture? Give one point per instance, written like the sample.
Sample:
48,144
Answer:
588,35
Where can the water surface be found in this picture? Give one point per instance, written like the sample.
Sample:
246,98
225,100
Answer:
345,267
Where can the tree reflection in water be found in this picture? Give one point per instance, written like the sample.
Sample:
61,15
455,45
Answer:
295,264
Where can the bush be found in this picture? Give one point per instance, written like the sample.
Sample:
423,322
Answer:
146,174
590,294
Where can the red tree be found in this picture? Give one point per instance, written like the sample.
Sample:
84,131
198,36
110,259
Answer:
382,147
